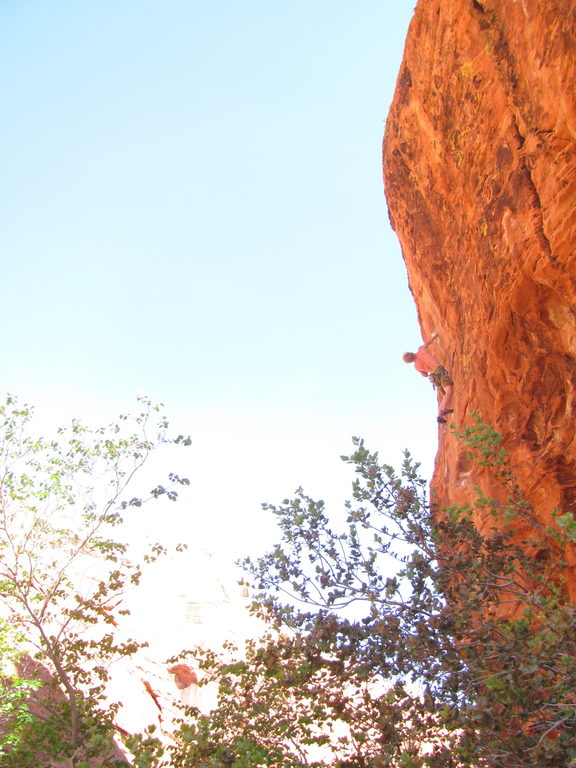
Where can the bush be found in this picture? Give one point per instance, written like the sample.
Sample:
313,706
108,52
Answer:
407,638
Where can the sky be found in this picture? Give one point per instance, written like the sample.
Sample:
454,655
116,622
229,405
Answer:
191,206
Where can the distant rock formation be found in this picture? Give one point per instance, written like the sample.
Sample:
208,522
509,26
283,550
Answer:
184,676
208,609
480,179
41,704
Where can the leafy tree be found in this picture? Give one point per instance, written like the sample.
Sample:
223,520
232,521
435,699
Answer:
62,503
406,639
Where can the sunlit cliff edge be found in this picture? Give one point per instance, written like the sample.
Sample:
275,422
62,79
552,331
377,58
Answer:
480,180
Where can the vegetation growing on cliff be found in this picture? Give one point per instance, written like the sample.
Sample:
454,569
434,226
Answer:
406,639
62,502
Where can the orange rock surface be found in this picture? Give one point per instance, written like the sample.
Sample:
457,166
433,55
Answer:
480,179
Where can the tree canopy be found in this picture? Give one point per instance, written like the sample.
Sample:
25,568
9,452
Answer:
61,501
404,638
398,634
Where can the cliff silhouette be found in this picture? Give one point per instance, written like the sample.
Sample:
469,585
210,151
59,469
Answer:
480,179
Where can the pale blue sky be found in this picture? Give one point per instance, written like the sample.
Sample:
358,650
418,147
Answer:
191,205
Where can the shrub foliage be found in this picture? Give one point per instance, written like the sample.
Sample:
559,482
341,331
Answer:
405,638
399,635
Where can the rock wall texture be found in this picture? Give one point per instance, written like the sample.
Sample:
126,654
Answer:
480,178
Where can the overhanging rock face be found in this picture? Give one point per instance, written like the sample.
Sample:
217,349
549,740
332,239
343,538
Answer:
480,179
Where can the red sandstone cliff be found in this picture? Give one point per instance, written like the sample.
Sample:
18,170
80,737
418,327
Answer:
480,178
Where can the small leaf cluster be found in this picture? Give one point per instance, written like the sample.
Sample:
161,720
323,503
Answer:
15,690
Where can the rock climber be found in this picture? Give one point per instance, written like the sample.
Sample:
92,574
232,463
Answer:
427,365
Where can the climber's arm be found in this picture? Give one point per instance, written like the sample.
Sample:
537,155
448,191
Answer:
430,340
